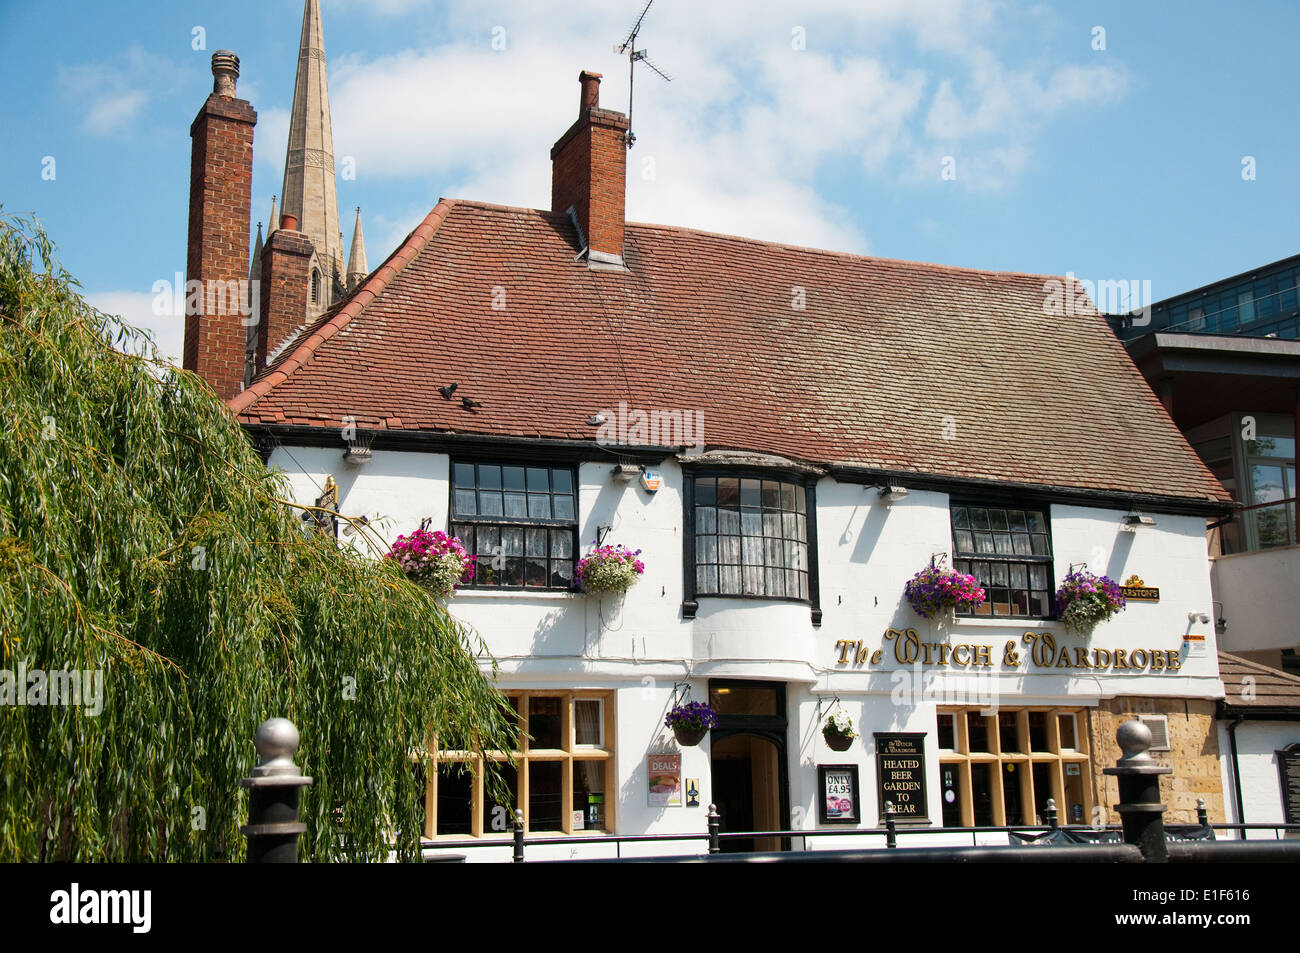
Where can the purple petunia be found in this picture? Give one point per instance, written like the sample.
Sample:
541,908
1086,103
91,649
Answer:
934,589
692,715
1085,599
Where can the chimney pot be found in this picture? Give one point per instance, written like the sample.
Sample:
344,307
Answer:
590,94
289,222
225,73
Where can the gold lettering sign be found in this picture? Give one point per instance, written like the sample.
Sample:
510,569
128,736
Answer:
1138,591
1042,651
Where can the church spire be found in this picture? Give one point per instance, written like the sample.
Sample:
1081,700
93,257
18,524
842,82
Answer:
309,192
357,257
255,269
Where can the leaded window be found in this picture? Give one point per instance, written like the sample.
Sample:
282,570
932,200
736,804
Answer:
1009,550
751,538
520,522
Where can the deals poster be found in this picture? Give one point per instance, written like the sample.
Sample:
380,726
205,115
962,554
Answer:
665,772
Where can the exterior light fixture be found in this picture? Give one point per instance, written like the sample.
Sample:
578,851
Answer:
1132,521
357,449
1200,617
351,527
891,493
626,472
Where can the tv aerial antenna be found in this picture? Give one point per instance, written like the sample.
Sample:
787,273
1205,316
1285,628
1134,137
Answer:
635,56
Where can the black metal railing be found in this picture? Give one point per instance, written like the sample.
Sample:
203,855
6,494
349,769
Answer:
711,839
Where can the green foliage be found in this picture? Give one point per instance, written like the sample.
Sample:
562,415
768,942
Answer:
141,536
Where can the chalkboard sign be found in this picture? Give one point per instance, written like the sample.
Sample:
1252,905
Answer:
900,776
1288,766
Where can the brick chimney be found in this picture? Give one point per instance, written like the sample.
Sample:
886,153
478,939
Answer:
221,184
589,174
286,263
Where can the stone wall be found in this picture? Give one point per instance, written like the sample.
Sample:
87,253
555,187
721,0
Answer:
1193,754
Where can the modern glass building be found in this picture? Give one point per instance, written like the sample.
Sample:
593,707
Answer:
1225,361
1258,303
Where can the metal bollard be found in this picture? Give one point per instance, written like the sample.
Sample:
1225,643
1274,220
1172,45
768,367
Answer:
519,837
891,827
1140,809
1050,813
715,825
273,826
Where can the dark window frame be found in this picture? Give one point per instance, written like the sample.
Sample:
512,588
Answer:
1047,560
805,482
552,524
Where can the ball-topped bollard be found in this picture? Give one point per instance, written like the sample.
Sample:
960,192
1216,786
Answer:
1140,809
1134,739
277,743
273,826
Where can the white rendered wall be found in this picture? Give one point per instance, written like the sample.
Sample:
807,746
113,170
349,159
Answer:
1248,585
1261,783
867,550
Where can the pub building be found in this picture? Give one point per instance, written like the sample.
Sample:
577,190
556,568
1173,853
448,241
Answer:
787,435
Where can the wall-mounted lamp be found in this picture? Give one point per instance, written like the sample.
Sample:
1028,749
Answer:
1132,521
1200,617
358,442
891,493
626,472
351,527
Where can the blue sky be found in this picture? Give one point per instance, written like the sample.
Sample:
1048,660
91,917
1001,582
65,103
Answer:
825,123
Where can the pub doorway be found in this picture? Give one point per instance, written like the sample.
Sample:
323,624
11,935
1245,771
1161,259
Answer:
750,774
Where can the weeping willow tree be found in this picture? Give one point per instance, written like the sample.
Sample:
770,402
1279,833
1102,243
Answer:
143,541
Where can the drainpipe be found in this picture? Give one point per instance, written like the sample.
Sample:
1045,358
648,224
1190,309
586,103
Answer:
1236,771
1296,428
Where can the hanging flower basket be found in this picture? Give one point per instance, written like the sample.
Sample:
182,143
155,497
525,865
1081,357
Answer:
935,590
838,731
433,560
1086,599
691,722
609,569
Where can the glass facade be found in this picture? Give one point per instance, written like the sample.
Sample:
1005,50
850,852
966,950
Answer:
1253,456
1262,304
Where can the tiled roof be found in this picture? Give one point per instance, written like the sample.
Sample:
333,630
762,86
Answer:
866,373
1269,688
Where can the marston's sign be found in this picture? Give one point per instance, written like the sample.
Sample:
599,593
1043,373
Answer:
1136,590
1042,652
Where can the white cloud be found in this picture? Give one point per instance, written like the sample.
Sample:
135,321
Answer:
112,94
137,309
741,136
